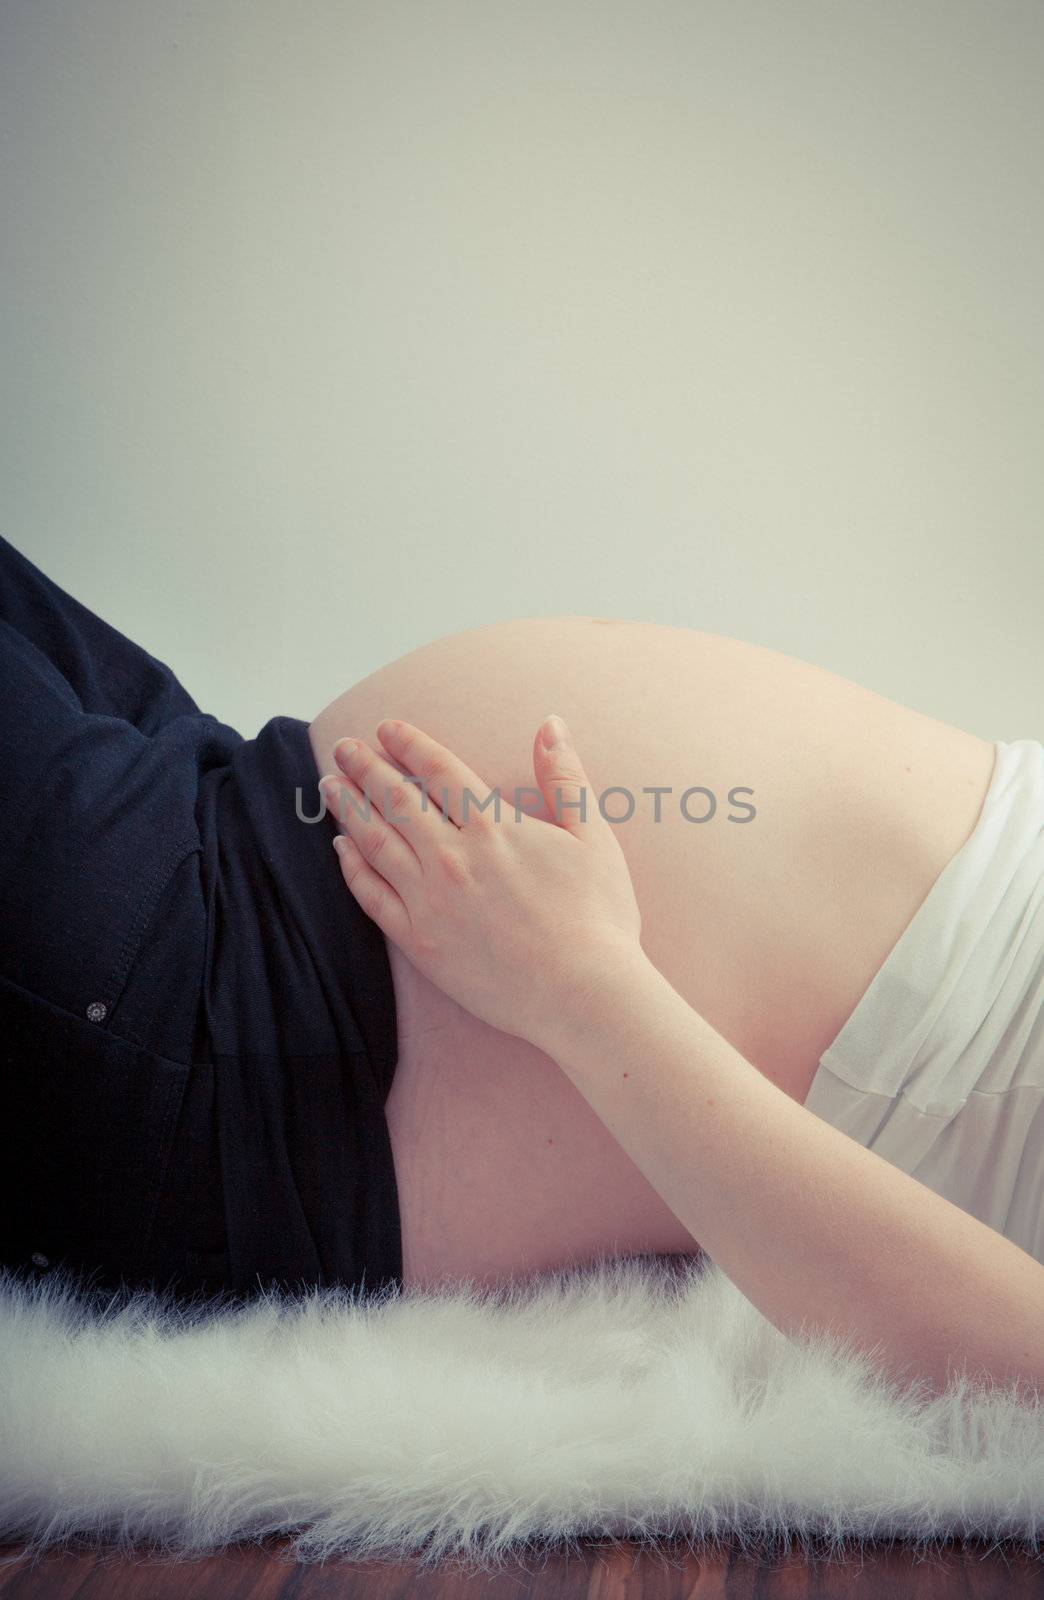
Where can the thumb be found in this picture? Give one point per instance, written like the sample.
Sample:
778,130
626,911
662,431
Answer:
563,782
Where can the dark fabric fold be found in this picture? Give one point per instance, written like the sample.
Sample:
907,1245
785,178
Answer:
197,1020
300,1023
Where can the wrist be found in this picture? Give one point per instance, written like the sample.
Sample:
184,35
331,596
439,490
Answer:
599,982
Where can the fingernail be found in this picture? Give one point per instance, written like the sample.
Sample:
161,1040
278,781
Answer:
344,750
555,732
329,788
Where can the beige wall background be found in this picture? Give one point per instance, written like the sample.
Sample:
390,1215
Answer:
330,327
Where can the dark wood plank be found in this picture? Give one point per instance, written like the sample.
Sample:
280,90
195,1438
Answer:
609,1570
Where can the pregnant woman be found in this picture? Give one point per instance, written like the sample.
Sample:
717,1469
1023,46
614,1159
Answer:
227,1069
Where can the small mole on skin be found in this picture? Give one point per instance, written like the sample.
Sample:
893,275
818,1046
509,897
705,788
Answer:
550,1141
625,1074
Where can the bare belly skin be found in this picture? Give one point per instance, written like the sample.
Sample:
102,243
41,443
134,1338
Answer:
771,928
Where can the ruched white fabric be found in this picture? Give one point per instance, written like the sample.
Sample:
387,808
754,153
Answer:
940,1068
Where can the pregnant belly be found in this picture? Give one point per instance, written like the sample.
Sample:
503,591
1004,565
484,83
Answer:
799,822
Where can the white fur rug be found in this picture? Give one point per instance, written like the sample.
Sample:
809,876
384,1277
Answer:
624,1398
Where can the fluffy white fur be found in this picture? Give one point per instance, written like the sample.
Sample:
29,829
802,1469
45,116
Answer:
621,1398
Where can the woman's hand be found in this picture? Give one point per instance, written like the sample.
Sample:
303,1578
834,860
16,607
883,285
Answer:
514,917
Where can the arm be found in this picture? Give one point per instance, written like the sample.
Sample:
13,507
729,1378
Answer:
535,929
811,1226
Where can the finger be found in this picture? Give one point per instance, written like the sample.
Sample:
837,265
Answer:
382,846
375,895
395,795
450,782
567,790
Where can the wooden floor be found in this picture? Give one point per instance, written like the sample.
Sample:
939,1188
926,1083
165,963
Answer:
605,1570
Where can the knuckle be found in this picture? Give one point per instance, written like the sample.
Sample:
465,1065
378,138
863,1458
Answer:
362,761
452,866
376,839
361,806
374,901
426,946
420,760
479,820
399,798
431,767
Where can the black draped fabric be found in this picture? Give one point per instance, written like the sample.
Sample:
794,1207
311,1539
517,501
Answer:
198,1021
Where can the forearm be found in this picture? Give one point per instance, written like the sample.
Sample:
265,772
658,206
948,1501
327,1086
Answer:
812,1227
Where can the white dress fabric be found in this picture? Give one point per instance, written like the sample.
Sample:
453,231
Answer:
940,1068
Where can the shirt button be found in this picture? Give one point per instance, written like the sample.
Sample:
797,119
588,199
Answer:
39,1259
96,1011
